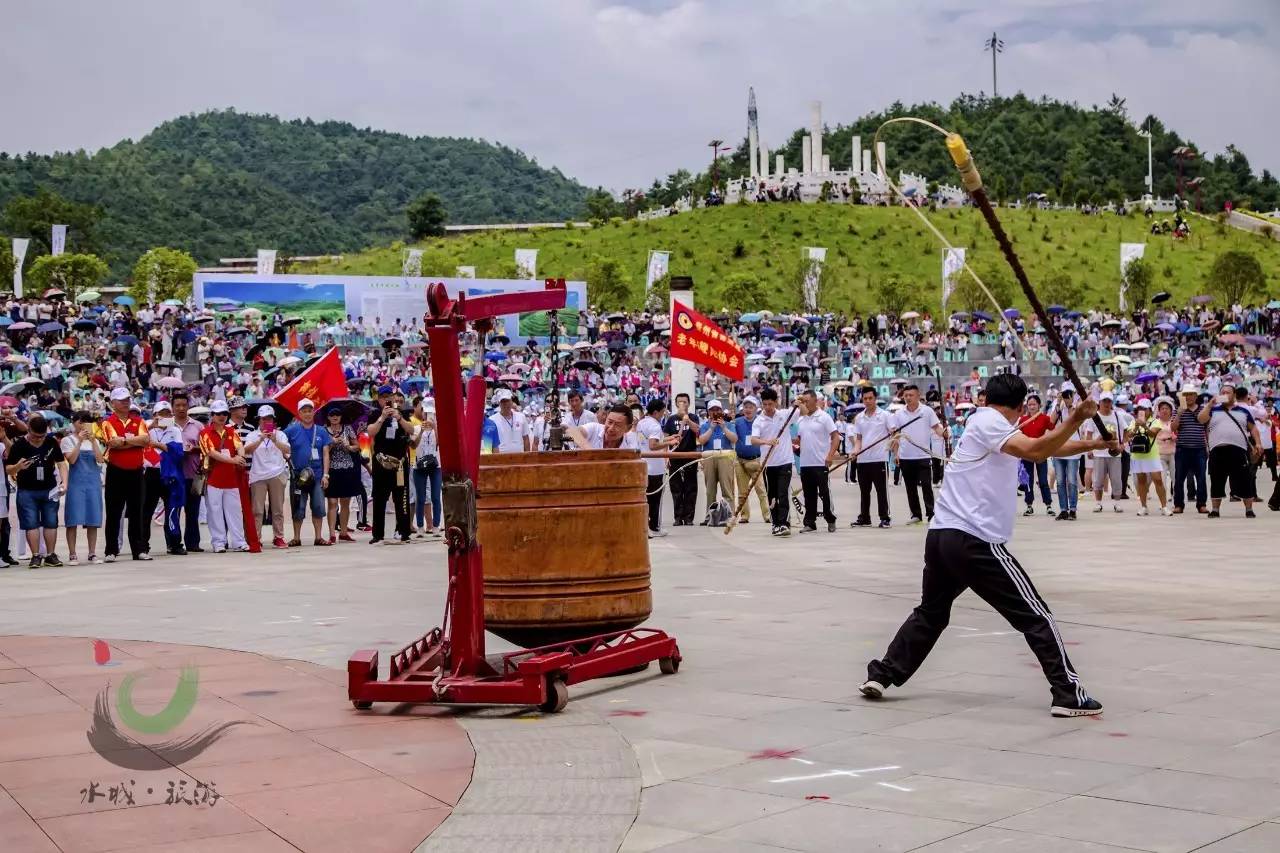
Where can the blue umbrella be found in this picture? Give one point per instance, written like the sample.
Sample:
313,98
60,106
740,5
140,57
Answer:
982,315
1073,315
495,356
127,340
1148,377
123,300
46,328
749,318
6,321
415,382
769,331
1012,313
1057,309
1192,330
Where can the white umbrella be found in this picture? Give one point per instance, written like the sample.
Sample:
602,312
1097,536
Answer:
910,315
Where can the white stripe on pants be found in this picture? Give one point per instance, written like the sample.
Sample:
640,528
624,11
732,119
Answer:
226,519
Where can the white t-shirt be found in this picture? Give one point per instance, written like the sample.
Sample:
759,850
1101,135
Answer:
767,427
1057,416
815,438
1264,425
979,492
1229,427
916,440
1116,423
871,428
539,432
510,432
595,438
267,461
649,428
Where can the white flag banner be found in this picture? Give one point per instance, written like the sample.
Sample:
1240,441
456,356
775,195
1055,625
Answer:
466,272
526,263
58,240
266,262
412,262
1129,252
952,266
659,264
813,276
19,255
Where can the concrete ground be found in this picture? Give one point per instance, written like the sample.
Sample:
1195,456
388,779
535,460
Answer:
761,741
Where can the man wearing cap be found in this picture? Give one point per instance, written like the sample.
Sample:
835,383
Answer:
747,464
239,422
512,432
1066,467
126,437
1190,451
390,435
1107,468
162,432
307,441
716,439
268,451
189,428
221,447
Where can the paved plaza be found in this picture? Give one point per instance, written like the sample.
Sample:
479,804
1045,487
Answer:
761,742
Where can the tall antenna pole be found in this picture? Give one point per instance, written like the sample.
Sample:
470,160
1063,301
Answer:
996,46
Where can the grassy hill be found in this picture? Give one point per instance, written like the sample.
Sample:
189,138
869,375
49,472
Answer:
870,251
224,183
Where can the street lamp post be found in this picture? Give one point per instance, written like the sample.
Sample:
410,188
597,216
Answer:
1150,186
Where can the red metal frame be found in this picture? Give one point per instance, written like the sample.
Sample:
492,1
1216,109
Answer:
448,665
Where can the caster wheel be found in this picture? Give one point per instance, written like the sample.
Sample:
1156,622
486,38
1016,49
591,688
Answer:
669,666
362,706
557,697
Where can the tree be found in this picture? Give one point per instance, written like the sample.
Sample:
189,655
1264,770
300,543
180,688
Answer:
1138,276
73,273
1062,289
893,295
601,206
999,190
6,264
427,216
658,299
743,291
1235,275
34,216
608,287
968,296
161,274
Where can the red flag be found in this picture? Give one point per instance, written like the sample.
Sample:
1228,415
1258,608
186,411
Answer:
697,339
319,383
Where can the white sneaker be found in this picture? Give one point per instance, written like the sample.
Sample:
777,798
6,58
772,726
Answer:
110,558
1098,508
1142,511
1164,510
144,556
1116,508
872,689
72,561
219,550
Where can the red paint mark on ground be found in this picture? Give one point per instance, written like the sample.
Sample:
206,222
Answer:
101,652
1073,642
816,797
627,713
775,753
1116,734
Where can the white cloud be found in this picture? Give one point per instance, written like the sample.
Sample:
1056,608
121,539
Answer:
618,93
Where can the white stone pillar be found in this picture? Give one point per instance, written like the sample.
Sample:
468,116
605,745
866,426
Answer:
866,159
781,168
752,161
806,155
857,153
815,134
826,163
881,162
764,161
683,372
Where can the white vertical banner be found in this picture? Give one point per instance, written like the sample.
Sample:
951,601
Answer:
526,263
952,266
1129,252
659,263
412,262
813,276
19,255
58,240
466,272
266,262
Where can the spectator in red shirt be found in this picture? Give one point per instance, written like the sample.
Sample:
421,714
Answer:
1036,423
221,447
127,439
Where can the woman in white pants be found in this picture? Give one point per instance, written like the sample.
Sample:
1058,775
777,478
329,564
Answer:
223,460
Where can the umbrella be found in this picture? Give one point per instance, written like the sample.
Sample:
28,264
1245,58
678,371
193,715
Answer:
982,315
1147,377
910,315
848,330
89,296
654,349
352,409
774,360
785,338
511,377
170,382
1139,345
963,315
1106,323
1274,304
1209,324
50,327
15,358
391,343
757,368
749,317
1231,327
251,312
127,340
62,348
54,293
1232,339
495,356
616,317
291,321
1162,296
1258,340
416,382
1166,327
1057,309
500,339
21,386
124,299
854,408
768,331
20,327
1012,313
55,420
581,345
202,318
587,365
755,356
288,361
236,330
803,321
177,303
1201,300
80,364
1073,315
5,321
961,407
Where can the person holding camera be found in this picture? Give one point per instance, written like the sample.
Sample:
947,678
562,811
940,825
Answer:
307,441
268,451
1233,449
390,435
342,461
717,439
37,465
426,467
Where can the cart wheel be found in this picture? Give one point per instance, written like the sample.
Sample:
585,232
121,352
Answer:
361,706
669,666
557,697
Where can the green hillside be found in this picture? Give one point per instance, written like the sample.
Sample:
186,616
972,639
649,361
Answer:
749,256
222,184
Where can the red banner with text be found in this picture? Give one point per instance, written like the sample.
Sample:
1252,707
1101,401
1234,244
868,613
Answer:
697,339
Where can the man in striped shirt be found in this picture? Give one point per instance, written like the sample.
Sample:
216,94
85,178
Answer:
1190,452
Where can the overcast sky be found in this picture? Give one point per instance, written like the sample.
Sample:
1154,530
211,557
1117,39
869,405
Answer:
617,93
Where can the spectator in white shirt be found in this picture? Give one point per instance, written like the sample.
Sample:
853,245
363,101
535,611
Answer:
513,435
1105,466
268,449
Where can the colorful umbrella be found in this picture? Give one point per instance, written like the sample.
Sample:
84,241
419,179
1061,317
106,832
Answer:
124,299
